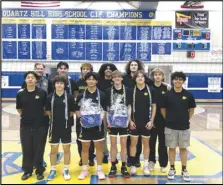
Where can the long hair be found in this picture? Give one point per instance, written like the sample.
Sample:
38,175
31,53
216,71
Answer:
102,69
141,66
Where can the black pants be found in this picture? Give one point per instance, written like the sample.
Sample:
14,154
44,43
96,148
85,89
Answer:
33,146
138,150
162,149
46,124
79,144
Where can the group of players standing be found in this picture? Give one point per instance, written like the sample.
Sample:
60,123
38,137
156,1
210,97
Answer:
135,106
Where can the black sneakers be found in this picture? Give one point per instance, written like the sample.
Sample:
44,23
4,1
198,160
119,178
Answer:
125,172
40,177
26,176
113,172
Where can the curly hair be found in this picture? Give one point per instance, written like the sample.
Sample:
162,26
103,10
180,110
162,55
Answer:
102,69
141,66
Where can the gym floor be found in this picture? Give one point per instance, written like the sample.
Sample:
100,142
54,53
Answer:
204,159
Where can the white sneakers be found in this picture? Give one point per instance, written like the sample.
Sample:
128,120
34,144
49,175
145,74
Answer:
83,175
151,166
66,175
133,170
146,170
163,170
101,175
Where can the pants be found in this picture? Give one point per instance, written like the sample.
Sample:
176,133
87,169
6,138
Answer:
162,149
33,146
79,144
106,151
139,147
46,124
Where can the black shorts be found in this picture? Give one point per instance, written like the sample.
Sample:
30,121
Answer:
140,131
122,132
94,134
59,134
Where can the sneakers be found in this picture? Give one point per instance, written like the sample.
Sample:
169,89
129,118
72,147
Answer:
52,175
186,176
125,173
83,174
40,177
101,175
151,166
171,174
26,176
146,170
163,169
113,171
133,170
66,175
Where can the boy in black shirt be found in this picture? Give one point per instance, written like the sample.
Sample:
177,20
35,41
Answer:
90,109
118,117
105,82
178,108
143,115
81,86
159,124
30,103
60,108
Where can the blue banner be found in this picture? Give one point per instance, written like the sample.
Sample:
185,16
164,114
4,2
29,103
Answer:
111,51
38,31
111,32
93,32
127,51
77,32
9,31
60,51
127,32
162,33
24,50
60,31
39,50
24,31
77,51
9,50
144,32
144,51
161,48
78,13
94,51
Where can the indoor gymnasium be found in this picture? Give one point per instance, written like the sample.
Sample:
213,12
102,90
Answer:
122,92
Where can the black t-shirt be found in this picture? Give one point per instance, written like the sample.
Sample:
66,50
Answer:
177,109
93,97
81,85
159,92
59,108
142,104
130,83
119,96
67,88
32,105
103,84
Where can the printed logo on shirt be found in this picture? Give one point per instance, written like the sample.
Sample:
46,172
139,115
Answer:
184,98
146,94
97,98
64,100
44,84
37,97
163,92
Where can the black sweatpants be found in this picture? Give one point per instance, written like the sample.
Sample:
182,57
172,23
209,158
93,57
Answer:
162,149
138,150
79,144
46,124
33,146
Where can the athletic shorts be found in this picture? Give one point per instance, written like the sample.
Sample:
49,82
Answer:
177,138
122,132
94,134
59,134
140,131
